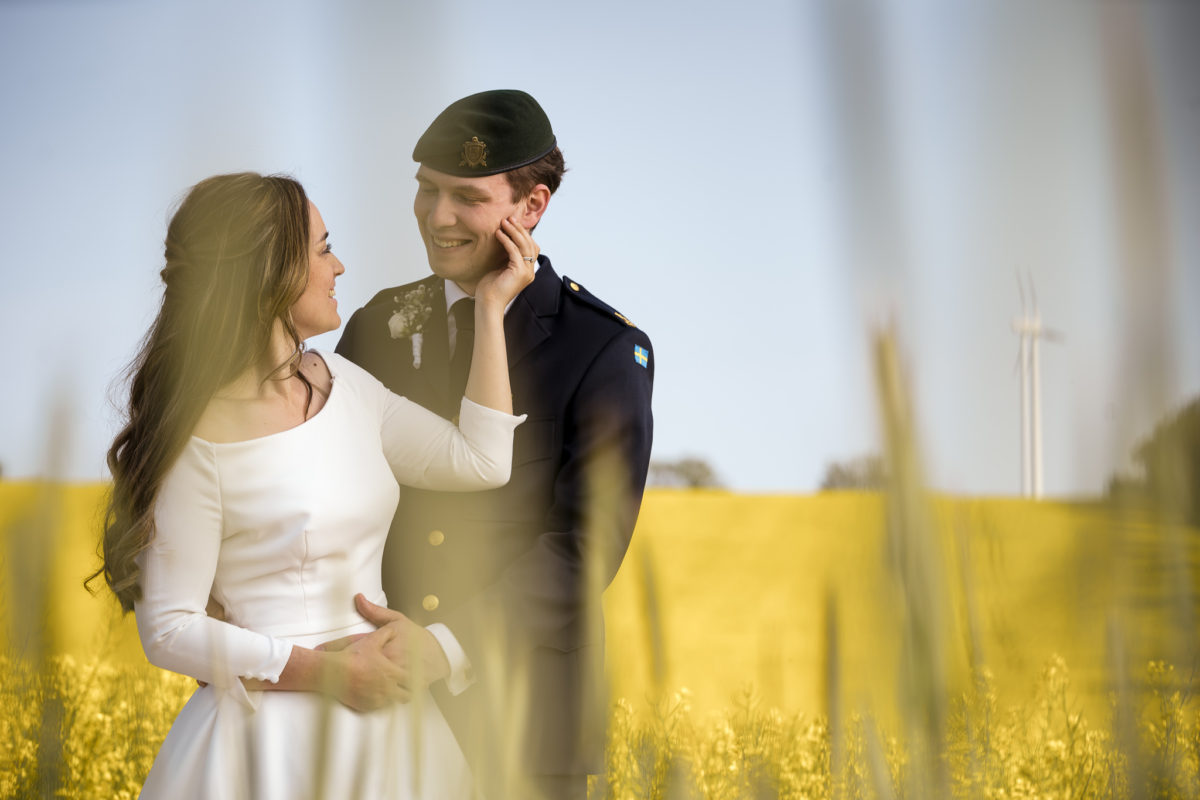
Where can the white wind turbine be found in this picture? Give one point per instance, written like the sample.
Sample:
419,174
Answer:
1029,327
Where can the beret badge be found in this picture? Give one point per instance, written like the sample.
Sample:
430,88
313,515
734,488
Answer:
474,153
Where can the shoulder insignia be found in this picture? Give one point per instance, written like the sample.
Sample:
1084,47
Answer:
575,290
641,355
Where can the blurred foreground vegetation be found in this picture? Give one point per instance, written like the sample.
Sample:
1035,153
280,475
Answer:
88,729
790,623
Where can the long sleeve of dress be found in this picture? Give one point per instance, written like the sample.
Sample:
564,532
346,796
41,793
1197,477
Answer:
177,578
429,452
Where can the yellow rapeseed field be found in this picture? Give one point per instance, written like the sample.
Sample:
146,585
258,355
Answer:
758,646
744,581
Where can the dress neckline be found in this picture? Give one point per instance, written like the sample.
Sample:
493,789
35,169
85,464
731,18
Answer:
328,399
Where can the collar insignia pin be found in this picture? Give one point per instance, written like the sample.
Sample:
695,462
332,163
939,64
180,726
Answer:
474,153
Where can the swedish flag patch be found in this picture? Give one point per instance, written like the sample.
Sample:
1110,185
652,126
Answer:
641,355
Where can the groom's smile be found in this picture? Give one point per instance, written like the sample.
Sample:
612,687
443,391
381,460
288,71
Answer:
458,219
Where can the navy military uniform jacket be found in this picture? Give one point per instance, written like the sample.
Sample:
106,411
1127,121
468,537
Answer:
516,572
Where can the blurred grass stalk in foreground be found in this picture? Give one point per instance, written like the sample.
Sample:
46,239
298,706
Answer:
1142,242
26,597
920,584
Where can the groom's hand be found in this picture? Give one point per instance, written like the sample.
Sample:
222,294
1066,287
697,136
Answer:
412,648
365,677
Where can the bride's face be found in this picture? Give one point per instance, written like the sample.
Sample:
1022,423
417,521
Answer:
316,310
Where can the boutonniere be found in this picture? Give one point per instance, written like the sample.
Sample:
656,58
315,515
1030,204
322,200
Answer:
408,320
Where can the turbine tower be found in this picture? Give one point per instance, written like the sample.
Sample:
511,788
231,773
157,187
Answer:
1029,327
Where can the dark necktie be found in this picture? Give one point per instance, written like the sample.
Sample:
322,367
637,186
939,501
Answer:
464,343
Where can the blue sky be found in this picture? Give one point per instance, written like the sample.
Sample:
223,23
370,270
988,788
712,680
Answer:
757,187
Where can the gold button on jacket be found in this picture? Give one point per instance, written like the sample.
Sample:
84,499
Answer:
436,538
430,603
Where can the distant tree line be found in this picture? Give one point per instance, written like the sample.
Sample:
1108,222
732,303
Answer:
689,472
864,473
1167,463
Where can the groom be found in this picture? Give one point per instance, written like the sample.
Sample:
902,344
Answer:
499,591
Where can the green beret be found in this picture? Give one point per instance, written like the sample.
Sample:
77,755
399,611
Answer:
485,134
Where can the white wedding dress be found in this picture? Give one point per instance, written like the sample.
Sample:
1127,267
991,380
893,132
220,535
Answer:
282,531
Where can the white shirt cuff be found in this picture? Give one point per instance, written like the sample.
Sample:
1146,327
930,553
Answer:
461,675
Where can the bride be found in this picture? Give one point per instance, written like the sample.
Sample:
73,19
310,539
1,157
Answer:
264,476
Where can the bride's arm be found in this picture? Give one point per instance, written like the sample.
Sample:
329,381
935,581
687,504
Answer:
428,452
487,383
177,634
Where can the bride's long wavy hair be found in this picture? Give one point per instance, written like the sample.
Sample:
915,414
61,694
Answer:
236,263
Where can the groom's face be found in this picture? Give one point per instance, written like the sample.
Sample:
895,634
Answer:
458,219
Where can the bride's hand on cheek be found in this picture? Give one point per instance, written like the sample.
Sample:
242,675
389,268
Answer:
500,286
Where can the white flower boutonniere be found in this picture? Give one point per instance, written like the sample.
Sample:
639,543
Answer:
408,320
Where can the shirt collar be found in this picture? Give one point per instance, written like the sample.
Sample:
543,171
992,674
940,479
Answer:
454,293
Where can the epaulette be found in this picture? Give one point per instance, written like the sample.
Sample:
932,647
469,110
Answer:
584,296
